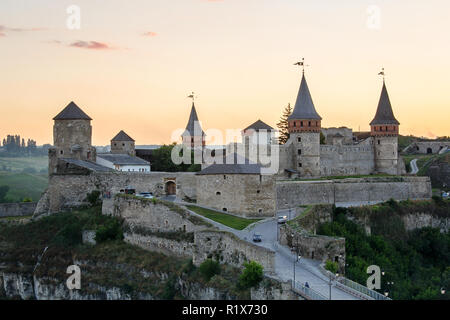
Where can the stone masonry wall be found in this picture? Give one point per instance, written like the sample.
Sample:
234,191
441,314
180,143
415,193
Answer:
66,191
249,195
294,193
314,247
17,209
227,248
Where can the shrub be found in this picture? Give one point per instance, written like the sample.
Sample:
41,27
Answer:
69,235
251,275
112,230
93,197
209,268
332,266
27,200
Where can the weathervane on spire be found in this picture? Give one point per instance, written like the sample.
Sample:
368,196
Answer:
192,96
302,64
382,73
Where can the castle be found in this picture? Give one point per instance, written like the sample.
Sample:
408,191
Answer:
241,185
303,155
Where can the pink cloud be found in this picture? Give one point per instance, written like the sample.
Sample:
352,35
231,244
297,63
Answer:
2,34
93,45
150,34
8,29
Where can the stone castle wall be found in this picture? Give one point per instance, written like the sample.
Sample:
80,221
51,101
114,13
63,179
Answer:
227,248
17,209
250,195
314,247
294,193
338,160
66,191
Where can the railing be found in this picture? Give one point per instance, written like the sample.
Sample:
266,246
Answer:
360,288
306,292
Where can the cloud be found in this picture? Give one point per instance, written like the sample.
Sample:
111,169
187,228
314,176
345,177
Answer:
150,34
4,29
93,45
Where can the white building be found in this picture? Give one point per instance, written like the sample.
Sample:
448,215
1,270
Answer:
123,162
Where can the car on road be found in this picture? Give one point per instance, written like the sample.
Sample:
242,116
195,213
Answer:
282,219
145,195
257,237
445,195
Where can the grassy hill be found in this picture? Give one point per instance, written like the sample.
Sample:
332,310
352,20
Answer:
26,177
23,185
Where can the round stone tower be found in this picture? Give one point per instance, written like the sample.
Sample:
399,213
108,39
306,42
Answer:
304,133
384,130
72,136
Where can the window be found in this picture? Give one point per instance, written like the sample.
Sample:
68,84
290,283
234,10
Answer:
123,144
224,176
299,139
387,128
379,141
61,152
309,123
301,123
115,144
224,209
259,210
218,193
294,124
300,164
299,151
258,191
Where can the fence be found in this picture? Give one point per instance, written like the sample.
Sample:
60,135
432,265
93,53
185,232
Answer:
360,288
306,292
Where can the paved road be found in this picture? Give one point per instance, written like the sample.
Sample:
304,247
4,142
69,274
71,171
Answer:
306,270
414,168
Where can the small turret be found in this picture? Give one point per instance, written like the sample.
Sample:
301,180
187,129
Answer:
193,136
122,143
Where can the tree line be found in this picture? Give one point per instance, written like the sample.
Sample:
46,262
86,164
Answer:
15,145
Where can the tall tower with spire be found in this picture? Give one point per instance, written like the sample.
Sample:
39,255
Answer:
193,136
304,132
384,130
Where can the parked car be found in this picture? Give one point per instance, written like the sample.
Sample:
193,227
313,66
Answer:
445,195
145,195
282,219
128,190
257,237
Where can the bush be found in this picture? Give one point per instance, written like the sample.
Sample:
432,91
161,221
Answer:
69,236
93,197
251,275
209,268
27,200
332,266
112,230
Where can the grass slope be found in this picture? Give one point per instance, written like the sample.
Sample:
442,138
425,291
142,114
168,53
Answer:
23,185
223,218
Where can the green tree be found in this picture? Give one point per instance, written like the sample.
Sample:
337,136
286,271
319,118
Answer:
283,125
322,138
3,191
251,275
209,268
162,161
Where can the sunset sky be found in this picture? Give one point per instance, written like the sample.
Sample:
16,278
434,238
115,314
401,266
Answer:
133,63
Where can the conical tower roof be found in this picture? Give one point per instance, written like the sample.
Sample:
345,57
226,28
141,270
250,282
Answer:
304,106
193,126
384,114
72,112
122,136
